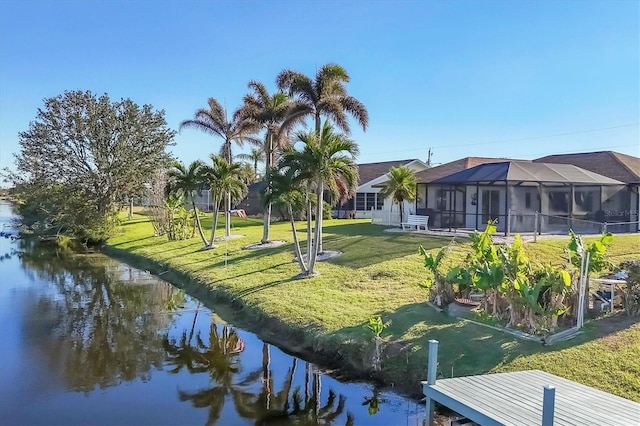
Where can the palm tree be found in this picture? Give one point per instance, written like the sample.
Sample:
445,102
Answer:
400,186
224,180
255,156
326,95
287,189
214,121
273,113
187,181
325,159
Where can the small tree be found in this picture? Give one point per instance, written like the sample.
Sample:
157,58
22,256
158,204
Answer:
400,186
286,189
223,179
631,293
188,181
440,287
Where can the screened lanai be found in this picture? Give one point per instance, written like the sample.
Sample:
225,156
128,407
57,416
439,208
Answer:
511,192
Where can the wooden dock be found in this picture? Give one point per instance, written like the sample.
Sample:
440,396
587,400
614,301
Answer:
529,398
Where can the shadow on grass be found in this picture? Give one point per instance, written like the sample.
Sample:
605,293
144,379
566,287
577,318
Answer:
358,251
261,287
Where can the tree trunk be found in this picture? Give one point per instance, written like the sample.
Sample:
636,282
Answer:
296,242
402,212
309,229
319,136
130,208
227,214
198,224
316,242
267,211
214,222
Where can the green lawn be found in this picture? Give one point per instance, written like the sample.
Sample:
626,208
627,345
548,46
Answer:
377,274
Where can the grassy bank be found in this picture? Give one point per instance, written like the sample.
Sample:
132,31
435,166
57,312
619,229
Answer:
377,274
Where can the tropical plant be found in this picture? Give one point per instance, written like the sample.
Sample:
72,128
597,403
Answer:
400,186
255,156
325,161
224,180
238,129
597,253
439,285
286,189
631,293
188,181
178,218
271,112
325,95
597,250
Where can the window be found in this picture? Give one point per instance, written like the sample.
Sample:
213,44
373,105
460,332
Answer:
368,201
371,200
379,202
527,200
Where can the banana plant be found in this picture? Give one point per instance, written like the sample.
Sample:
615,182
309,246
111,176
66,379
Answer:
443,290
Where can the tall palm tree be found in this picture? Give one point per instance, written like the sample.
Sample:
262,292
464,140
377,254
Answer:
187,181
325,95
224,180
325,159
400,186
214,121
274,114
255,156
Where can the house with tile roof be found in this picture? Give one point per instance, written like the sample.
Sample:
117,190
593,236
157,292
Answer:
615,165
367,201
551,194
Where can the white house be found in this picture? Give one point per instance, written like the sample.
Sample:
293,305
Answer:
367,203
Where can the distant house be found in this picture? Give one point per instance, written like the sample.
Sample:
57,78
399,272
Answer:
252,203
511,192
445,205
367,201
615,165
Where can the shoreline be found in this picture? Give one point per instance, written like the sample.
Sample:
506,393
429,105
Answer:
295,341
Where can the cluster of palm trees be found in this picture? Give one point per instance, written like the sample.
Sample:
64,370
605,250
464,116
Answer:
300,165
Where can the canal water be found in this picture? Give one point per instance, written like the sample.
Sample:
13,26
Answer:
85,339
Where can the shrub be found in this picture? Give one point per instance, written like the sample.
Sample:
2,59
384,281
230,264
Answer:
631,294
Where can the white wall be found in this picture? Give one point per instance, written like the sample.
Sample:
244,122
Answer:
388,209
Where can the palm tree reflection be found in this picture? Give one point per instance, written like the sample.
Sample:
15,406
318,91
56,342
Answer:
219,359
254,394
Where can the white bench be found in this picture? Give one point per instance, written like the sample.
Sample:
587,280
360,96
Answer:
417,221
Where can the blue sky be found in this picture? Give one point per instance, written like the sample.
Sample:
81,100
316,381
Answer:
518,79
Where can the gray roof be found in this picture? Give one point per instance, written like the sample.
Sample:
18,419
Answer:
525,171
622,167
370,171
434,173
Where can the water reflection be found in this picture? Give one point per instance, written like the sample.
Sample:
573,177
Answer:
87,339
101,328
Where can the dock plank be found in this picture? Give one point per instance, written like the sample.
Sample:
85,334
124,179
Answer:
516,398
